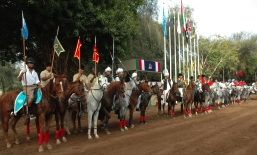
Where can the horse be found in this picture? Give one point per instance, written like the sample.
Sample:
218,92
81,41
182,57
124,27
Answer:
118,88
188,97
202,94
91,106
123,104
171,99
133,101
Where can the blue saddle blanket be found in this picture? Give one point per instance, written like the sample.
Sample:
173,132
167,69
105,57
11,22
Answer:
20,100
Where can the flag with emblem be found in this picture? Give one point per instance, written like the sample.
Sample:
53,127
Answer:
95,55
77,51
58,47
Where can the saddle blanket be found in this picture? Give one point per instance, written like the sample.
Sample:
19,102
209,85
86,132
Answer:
20,100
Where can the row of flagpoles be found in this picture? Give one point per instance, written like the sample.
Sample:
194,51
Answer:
189,58
58,49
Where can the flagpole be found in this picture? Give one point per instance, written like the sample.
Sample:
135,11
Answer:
24,54
164,41
112,55
194,57
198,61
191,56
170,51
184,61
187,64
95,61
175,48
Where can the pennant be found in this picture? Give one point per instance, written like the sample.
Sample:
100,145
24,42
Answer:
58,47
24,29
95,55
77,50
183,23
164,24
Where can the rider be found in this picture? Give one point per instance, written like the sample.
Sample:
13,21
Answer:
46,75
92,77
198,82
83,78
210,83
181,85
31,83
167,84
108,74
203,79
134,77
119,77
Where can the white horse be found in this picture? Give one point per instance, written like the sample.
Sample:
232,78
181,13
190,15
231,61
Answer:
123,104
93,98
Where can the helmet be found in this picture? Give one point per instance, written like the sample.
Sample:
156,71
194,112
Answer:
30,60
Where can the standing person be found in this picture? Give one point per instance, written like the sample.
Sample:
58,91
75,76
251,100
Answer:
167,84
46,75
83,78
181,85
92,77
31,83
108,74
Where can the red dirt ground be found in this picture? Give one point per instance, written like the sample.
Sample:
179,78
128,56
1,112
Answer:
229,131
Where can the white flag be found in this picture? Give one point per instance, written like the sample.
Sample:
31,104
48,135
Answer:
178,28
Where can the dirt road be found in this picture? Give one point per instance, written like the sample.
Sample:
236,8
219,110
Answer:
229,131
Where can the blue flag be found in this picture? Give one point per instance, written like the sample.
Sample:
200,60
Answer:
164,24
24,29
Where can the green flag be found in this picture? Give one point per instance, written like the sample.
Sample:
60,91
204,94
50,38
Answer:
57,46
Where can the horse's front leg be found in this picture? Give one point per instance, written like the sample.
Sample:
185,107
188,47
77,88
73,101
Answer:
107,125
173,110
27,122
131,110
95,123
57,122
68,120
41,119
5,128
73,119
48,120
89,118
169,108
196,107
62,132
79,123
13,125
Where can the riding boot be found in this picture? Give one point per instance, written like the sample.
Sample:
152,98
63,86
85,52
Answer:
28,112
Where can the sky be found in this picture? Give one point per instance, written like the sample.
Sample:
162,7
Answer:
224,17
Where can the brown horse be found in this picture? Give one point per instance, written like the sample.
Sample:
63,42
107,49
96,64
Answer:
171,99
188,97
133,101
200,96
113,88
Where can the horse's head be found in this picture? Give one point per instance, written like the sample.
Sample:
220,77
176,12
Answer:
145,87
76,87
102,81
175,87
58,84
156,89
206,87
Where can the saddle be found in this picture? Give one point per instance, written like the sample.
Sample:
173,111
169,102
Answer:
21,99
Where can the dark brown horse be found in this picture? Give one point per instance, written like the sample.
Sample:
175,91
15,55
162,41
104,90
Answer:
171,99
113,88
133,101
202,95
188,97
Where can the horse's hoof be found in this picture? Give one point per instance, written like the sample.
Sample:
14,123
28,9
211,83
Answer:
49,147
96,136
89,137
107,132
68,132
28,137
125,128
189,115
145,122
173,117
219,108
132,126
122,130
185,116
58,141
196,113
8,145
64,139
40,149
141,123
17,142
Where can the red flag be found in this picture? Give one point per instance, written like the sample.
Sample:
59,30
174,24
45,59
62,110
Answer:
95,55
77,51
